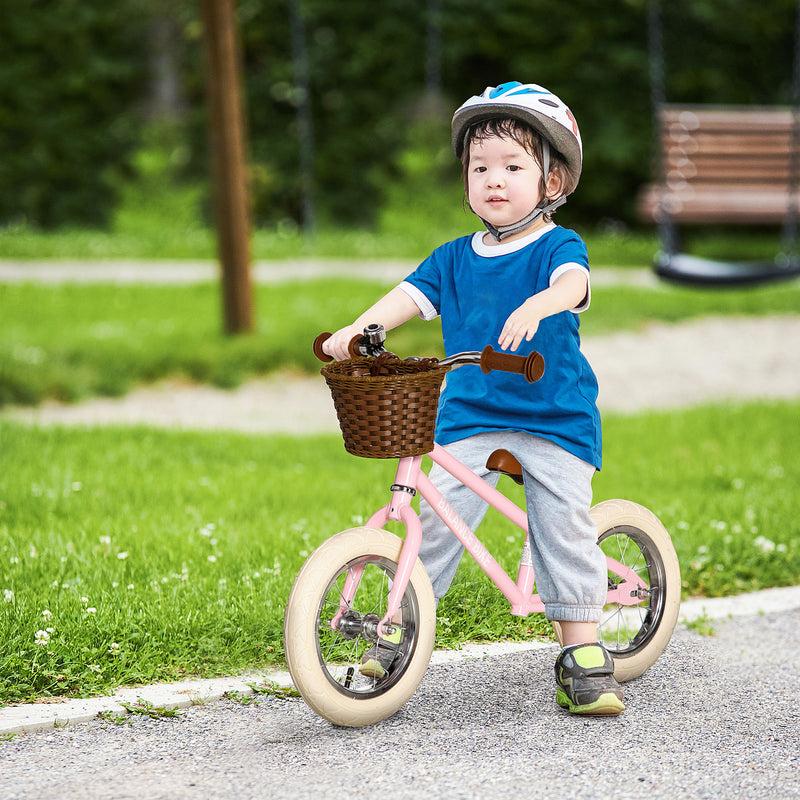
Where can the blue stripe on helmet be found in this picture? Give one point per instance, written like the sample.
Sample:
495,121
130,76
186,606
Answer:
503,88
529,91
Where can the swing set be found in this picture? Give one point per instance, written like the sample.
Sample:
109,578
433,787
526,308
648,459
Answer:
722,165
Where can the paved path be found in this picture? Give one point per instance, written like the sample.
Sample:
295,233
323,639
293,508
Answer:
715,717
203,271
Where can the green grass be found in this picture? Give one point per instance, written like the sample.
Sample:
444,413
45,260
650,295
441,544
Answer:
144,236
162,214
145,555
71,341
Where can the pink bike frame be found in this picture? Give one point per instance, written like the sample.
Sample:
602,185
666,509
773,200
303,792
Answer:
409,480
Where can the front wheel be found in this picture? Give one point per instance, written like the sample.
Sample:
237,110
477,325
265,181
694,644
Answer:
636,634
337,599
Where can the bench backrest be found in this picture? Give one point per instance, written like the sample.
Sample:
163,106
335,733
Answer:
725,164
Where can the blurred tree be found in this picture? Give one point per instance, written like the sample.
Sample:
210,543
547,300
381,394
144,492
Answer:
70,75
363,93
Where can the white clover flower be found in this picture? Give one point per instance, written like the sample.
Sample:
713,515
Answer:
212,559
8,595
114,649
91,610
764,544
41,638
123,555
47,613
106,540
85,600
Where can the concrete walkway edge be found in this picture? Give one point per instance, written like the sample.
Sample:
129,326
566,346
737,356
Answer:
42,716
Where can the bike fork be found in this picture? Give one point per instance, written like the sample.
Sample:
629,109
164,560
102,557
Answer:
399,510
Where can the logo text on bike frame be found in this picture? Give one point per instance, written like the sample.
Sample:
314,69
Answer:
464,533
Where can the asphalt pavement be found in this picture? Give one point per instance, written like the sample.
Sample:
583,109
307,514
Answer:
715,717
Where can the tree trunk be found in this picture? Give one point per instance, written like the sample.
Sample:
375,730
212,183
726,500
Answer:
227,129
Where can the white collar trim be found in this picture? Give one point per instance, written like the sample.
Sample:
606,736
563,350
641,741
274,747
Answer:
503,248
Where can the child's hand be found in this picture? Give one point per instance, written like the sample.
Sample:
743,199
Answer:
337,345
522,324
568,291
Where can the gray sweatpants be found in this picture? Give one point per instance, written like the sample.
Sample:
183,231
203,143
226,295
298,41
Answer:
570,568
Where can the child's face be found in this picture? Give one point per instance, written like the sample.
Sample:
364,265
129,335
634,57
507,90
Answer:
503,182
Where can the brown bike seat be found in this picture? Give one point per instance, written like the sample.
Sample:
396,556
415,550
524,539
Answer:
503,461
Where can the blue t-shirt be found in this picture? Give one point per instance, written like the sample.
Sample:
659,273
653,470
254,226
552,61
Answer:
474,288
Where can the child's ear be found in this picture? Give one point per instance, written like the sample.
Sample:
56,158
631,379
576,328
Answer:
555,183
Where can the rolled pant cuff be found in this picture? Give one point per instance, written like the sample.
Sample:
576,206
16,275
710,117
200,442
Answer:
564,613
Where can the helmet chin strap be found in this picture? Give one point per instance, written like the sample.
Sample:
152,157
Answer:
545,206
505,231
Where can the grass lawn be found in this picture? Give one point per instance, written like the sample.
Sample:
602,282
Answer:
132,555
73,341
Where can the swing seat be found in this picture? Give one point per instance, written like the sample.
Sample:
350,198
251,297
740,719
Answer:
683,268
735,165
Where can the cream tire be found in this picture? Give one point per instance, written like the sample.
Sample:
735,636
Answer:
621,524
307,630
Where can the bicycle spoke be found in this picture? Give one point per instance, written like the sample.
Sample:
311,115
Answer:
623,627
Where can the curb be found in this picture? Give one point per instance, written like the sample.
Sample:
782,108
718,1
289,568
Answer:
32,717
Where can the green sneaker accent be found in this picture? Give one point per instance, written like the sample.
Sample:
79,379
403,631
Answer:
607,705
589,657
394,638
586,683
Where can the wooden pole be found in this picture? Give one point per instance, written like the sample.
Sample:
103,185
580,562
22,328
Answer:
227,135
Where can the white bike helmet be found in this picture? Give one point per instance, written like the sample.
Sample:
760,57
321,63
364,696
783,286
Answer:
545,113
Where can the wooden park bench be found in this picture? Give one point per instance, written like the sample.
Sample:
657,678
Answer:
724,165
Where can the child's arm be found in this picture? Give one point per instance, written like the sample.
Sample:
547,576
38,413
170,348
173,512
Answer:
391,310
566,293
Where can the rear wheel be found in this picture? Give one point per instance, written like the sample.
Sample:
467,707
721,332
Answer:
637,634
337,600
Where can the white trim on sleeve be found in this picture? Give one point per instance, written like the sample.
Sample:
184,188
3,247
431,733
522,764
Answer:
426,309
559,271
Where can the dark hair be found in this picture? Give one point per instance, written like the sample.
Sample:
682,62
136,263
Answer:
525,136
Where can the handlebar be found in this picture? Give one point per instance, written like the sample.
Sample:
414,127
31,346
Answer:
371,344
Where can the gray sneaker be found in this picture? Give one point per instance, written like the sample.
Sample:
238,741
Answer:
586,683
377,661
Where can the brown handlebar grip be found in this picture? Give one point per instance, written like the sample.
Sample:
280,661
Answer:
318,351
352,348
531,366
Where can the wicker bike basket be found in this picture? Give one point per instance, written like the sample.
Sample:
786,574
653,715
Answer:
386,407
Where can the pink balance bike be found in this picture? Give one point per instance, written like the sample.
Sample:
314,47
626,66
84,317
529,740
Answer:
366,585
